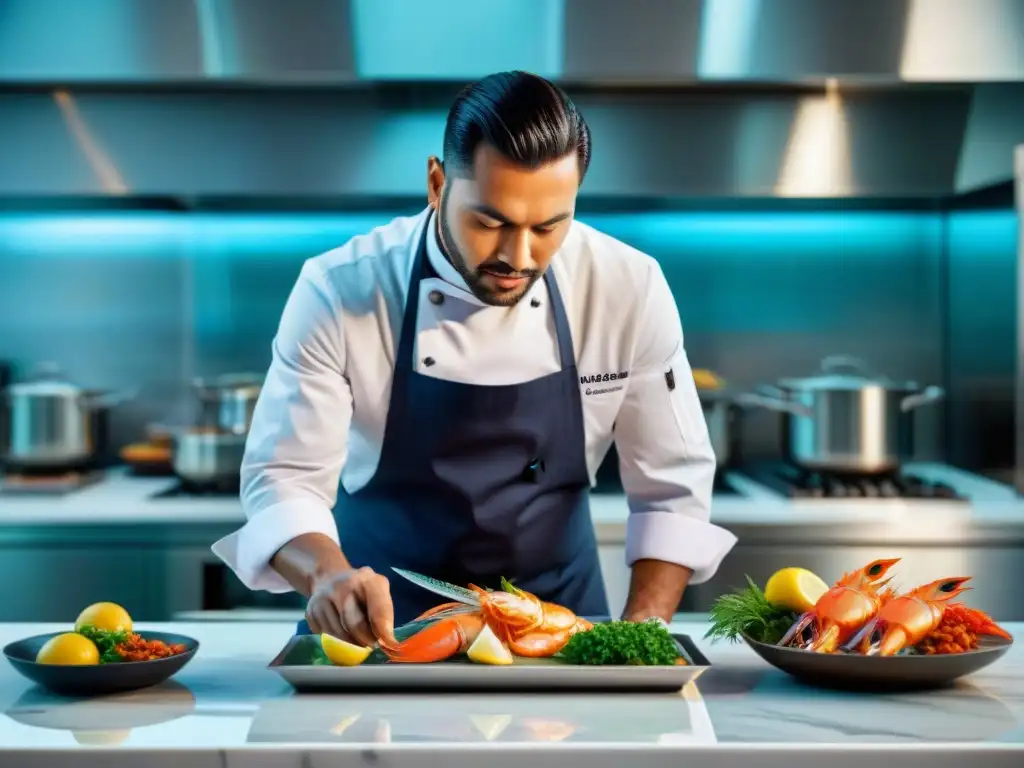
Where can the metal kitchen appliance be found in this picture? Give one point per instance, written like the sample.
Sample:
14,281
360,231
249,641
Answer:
847,419
34,483
796,483
53,425
207,459
227,402
722,408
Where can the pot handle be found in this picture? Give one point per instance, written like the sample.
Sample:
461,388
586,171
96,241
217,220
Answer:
770,398
109,399
929,395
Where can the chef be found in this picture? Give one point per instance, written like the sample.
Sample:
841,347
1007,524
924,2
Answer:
463,372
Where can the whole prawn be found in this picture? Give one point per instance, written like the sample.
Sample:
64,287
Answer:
527,625
905,621
840,612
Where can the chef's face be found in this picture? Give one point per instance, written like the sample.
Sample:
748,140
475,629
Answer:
502,225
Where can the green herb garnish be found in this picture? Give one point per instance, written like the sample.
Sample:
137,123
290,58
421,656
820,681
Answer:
748,612
646,643
106,642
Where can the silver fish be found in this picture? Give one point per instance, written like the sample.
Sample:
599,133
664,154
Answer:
442,588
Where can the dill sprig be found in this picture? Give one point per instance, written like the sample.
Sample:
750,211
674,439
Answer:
748,612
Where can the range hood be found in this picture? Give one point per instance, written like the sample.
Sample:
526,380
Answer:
212,100
576,41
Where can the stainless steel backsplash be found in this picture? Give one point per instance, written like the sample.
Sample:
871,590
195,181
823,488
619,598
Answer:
153,299
982,337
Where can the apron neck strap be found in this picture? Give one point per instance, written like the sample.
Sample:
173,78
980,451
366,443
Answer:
566,353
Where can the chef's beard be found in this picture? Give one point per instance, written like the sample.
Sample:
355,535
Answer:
473,277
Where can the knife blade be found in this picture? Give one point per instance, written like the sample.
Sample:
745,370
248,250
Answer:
438,587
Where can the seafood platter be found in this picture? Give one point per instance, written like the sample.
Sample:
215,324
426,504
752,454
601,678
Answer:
860,632
487,640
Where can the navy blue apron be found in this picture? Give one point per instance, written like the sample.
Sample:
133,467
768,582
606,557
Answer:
478,482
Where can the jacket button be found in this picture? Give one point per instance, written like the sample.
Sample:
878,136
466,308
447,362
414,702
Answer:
428,361
436,297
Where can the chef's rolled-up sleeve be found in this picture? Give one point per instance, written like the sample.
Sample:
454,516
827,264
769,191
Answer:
298,439
666,461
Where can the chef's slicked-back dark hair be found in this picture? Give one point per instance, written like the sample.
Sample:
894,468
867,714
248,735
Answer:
526,118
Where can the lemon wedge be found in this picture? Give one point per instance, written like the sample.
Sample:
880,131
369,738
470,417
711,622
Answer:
342,653
794,589
488,649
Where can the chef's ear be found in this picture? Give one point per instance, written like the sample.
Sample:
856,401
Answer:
435,181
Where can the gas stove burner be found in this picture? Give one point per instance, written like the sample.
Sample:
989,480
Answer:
47,483
803,484
192,490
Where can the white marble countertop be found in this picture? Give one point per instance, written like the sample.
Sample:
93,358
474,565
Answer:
993,509
227,708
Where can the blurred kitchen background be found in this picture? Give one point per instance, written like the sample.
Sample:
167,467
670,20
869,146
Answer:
815,178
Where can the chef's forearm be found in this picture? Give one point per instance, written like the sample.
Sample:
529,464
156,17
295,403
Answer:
655,589
308,559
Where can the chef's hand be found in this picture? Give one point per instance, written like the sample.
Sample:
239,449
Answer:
353,605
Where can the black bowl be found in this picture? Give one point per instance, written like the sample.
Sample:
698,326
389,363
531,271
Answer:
851,671
100,679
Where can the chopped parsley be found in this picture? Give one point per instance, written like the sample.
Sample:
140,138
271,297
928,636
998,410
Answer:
646,643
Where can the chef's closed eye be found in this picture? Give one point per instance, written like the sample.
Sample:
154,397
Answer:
488,223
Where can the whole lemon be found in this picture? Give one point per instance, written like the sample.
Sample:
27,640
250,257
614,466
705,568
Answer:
110,617
69,649
794,589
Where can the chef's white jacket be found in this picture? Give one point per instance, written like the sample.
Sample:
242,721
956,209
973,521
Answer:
324,404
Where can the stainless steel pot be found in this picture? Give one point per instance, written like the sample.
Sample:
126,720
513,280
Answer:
723,411
53,423
847,418
204,457
227,402
720,413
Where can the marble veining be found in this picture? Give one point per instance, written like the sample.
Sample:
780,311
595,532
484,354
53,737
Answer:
226,703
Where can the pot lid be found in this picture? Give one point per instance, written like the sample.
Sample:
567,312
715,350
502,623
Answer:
844,372
46,381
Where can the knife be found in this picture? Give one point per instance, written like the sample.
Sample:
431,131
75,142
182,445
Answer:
442,588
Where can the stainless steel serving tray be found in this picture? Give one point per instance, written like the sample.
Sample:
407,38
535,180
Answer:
296,663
